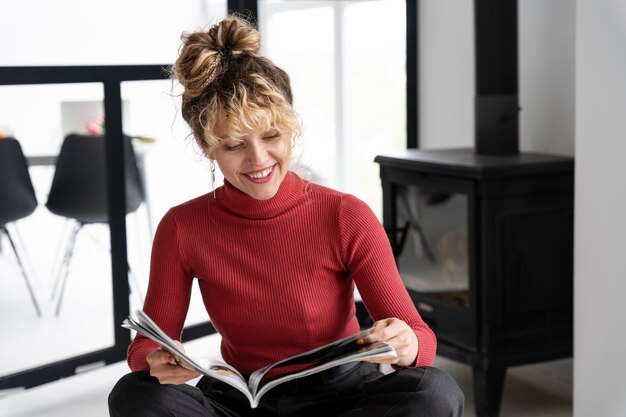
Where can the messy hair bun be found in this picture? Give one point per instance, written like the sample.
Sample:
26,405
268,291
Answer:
221,70
203,54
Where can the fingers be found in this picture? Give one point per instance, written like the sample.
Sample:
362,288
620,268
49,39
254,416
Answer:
172,374
166,369
157,357
400,336
171,359
385,330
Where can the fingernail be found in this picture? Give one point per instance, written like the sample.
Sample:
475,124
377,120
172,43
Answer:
360,341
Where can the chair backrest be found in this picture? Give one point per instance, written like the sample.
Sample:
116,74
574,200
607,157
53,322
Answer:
79,186
17,196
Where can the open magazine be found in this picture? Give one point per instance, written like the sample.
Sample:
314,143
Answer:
336,353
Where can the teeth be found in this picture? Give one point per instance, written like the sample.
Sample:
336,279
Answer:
261,174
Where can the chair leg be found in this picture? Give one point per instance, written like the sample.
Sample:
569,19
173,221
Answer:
28,284
62,265
58,256
61,279
65,268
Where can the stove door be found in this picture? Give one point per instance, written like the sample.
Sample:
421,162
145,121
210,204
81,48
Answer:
431,233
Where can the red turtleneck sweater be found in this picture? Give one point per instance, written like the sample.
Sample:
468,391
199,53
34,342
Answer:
276,276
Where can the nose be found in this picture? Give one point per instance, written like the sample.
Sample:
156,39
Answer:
257,153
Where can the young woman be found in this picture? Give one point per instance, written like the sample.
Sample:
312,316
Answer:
276,259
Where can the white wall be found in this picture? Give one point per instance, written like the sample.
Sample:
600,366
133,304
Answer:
546,67
547,75
446,73
600,282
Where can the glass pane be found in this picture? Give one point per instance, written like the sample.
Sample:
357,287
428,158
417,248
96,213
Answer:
374,87
70,283
161,139
40,117
298,36
349,84
433,259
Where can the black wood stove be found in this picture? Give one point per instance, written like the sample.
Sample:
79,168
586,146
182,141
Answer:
483,237
484,245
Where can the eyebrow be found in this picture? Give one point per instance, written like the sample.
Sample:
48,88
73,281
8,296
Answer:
228,137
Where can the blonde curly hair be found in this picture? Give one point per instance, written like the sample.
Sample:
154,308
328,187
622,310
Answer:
223,74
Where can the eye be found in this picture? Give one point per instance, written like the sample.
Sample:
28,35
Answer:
272,135
233,146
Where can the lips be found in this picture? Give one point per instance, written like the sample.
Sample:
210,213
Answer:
260,176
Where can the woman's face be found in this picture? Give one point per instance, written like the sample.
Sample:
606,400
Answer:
255,163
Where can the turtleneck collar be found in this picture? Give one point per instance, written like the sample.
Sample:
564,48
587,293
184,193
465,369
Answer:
289,193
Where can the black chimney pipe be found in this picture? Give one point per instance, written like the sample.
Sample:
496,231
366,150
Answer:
497,101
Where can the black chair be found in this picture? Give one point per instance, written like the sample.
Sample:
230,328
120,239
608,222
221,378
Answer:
17,197
79,191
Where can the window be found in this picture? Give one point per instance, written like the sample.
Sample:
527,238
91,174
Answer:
346,60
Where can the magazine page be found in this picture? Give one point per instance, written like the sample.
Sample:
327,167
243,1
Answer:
213,368
324,357
372,350
144,325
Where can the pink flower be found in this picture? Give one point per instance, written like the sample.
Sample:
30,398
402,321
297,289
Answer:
95,126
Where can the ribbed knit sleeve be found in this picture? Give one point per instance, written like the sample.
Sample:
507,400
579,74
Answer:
367,254
169,291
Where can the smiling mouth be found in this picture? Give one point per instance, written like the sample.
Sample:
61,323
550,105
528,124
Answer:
262,175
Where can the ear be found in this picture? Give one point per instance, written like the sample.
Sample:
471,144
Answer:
208,153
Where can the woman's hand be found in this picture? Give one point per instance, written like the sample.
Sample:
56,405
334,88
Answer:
164,367
400,336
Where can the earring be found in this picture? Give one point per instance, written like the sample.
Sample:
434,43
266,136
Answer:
212,168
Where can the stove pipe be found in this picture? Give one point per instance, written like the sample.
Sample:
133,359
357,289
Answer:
497,101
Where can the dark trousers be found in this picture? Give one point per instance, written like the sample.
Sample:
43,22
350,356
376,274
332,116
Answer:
356,389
